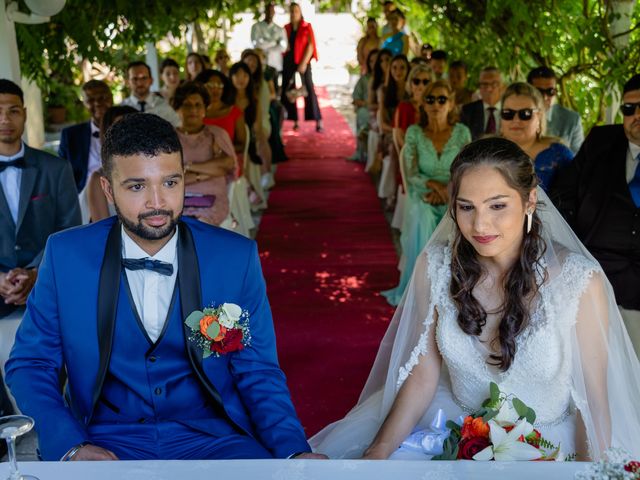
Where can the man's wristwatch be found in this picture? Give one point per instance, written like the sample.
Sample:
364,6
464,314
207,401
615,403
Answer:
71,453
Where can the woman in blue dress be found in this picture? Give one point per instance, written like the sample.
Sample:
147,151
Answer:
397,41
523,122
430,148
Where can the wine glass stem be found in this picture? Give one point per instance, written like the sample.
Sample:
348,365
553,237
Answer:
14,474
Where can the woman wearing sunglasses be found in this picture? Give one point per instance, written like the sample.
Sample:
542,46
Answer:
430,148
408,111
523,122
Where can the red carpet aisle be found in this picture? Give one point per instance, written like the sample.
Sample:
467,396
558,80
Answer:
326,253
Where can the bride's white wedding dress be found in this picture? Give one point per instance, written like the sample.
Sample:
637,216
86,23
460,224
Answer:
573,357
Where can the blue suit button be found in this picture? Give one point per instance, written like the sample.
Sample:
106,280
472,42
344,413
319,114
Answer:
152,359
158,391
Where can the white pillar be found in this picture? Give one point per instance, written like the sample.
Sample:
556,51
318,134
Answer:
152,61
10,69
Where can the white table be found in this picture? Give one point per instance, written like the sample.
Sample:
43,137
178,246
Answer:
297,470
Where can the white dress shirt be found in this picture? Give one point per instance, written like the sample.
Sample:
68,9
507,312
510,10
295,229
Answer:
151,291
272,40
632,160
95,161
496,115
154,104
10,179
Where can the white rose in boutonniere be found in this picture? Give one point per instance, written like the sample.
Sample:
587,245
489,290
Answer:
230,314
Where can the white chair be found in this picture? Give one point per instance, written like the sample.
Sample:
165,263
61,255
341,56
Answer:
239,218
398,213
253,173
83,200
372,148
387,185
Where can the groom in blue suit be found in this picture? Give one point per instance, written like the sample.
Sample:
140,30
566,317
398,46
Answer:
109,307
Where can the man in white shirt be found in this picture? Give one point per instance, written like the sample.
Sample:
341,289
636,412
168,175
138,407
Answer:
483,116
139,81
144,381
270,38
80,144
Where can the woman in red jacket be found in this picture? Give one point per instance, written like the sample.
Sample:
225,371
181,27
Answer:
301,49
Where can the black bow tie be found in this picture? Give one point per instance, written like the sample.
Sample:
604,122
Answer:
95,134
18,163
163,268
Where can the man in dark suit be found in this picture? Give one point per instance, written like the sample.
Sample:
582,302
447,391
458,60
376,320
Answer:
599,195
483,116
80,144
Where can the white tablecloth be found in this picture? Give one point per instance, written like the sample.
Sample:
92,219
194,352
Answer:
297,470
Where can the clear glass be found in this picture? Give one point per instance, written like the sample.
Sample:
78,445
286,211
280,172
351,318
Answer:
11,427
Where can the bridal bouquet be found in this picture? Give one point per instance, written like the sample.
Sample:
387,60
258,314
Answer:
219,330
501,430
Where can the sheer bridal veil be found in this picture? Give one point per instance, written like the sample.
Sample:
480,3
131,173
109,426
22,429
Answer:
605,372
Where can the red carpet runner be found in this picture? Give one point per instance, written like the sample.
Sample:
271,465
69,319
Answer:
326,253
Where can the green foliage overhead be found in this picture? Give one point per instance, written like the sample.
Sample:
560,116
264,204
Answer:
571,36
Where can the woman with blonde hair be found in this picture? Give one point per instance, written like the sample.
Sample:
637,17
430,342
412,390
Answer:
430,148
523,122
408,111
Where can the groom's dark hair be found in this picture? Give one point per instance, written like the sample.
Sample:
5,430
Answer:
138,134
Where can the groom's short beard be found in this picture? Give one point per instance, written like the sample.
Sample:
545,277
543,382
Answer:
149,233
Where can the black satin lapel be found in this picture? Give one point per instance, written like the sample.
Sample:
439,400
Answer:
108,291
191,300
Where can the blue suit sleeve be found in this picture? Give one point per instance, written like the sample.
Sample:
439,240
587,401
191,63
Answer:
34,367
259,379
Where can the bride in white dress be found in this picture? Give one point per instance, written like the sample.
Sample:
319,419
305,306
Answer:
504,292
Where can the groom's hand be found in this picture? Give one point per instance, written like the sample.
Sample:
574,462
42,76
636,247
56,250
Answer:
93,452
311,456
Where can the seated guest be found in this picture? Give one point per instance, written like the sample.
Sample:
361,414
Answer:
370,41
408,111
430,148
139,80
222,60
390,96
194,64
263,94
99,207
38,197
426,51
458,76
561,122
397,41
80,144
483,116
523,122
140,385
438,64
599,195
360,98
170,75
209,158
221,111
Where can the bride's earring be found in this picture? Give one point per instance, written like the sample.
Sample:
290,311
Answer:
529,221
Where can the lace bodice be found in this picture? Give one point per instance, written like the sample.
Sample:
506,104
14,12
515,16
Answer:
540,374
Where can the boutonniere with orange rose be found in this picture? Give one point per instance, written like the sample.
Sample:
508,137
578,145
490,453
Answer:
219,330
501,430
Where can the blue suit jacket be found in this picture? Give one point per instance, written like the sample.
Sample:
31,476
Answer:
70,320
75,142
567,125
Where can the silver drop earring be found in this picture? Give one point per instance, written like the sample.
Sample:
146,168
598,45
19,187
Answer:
529,221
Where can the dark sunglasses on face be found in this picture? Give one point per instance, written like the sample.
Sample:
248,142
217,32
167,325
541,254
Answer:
524,114
430,99
548,92
418,81
629,109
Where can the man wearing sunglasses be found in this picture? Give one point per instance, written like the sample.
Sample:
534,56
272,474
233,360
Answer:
599,194
561,122
483,116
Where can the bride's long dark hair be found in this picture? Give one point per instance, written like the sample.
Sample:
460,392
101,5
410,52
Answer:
521,282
